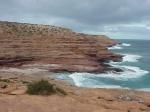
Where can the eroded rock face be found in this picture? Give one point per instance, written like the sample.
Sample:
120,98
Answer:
53,48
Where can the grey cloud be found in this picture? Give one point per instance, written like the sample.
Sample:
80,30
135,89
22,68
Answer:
84,11
89,15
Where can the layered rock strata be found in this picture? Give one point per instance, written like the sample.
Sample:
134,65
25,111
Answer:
53,48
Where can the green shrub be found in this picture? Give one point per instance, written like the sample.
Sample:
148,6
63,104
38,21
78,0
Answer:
4,80
43,87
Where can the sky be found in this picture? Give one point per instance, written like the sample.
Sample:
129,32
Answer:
123,19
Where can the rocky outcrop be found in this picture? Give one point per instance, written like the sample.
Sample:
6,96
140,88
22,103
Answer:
53,48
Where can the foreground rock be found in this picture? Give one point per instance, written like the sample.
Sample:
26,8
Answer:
53,48
76,100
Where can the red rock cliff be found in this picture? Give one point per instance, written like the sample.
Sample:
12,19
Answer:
53,48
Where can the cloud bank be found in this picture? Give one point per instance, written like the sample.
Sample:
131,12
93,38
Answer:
116,18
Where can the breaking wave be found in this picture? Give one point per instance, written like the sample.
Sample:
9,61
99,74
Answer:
116,47
131,58
112,79
125,44
92,80
119,46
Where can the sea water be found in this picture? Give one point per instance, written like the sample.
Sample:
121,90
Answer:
135,66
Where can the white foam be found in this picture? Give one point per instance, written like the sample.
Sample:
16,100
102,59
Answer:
81,78
119,46
77,78
125,44
107,86
129,73
127,58
115,47
131,58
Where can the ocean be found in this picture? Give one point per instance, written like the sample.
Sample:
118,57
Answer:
135,66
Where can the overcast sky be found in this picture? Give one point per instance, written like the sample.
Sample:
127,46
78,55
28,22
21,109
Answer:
115,18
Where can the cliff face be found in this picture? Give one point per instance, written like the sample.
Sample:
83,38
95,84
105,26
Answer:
53,48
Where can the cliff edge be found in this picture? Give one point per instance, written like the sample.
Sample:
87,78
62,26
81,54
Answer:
53,48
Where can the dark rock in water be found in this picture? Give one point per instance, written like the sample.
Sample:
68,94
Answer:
117,69
53,48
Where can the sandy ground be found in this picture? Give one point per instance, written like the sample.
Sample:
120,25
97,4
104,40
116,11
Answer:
14,99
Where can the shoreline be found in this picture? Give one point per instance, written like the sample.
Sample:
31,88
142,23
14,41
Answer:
30,53
41,73
77,98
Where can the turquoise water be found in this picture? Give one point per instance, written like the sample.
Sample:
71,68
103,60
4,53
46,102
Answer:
140,48
136,67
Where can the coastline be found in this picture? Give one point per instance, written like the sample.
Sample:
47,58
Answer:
32,52
116,100
54,48
133,76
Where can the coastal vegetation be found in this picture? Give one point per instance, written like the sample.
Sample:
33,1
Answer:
43,87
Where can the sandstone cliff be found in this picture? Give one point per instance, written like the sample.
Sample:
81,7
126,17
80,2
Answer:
53,48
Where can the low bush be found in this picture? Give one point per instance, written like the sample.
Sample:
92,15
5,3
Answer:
43,87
